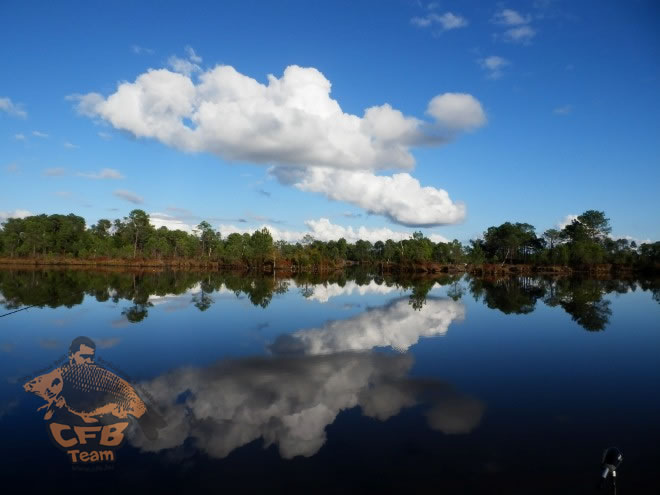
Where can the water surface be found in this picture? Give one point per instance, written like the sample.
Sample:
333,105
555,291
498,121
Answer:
349,383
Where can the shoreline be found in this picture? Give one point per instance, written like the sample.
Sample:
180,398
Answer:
288,267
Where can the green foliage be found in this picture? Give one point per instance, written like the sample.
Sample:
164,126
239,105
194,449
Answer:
583,242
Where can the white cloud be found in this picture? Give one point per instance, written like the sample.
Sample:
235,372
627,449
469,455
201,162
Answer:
6,105
54,172
159,220
510,17
519,28
192,55
128,196
563,110
393,325
457,111
290,401
4,215
568,219
636,240
20,137
104,135
40,134
183,66
105,173
493,65
70,146
12,168
323,230
521,34
290,122
446,21
399,197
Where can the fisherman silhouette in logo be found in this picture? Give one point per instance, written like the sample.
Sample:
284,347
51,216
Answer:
91,392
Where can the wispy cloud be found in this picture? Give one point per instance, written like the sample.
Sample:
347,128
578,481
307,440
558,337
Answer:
128,196
263,192
18,213
63,194
510,17
349,214
106,136
54,172
520,34
518,26
446,21
188,65
70,146
141,50
568,219
172,223
104,173
12,168
563,110
39,134
15,109
20,137
493,65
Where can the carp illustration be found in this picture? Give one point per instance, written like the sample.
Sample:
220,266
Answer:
91,392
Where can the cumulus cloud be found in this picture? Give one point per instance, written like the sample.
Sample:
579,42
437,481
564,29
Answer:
290,122
394,325
446,21
290,401
104,173
6,105
324,230
493,65
5,215
457,111
128,196
399,197
38,134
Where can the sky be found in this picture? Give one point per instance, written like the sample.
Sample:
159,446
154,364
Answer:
350,119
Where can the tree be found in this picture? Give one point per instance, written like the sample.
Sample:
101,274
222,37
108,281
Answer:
137,228
596,225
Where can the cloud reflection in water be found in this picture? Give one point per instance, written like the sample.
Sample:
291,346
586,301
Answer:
290,398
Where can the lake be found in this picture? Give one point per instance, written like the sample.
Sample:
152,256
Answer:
351,382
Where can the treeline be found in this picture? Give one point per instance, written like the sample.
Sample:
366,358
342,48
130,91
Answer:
585,241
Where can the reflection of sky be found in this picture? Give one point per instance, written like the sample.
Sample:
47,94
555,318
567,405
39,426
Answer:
540,379
393,325
324,292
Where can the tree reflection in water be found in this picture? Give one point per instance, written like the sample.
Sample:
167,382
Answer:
582,298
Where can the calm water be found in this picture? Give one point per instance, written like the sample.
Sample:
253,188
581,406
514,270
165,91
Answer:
353,383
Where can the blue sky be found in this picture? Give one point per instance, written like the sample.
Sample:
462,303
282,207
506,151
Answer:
447,117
